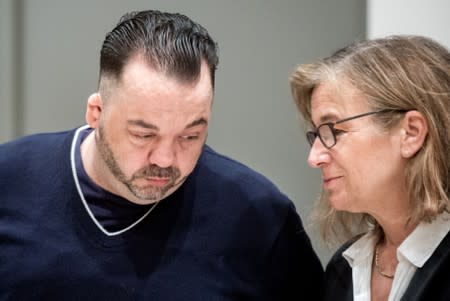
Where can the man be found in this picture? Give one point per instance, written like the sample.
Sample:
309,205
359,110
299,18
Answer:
135,206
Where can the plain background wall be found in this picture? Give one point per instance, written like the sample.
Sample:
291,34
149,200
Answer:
7,71
430,18
56,54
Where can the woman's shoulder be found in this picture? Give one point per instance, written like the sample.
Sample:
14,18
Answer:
337,256
338,274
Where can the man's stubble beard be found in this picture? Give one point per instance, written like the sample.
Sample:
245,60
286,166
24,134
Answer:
148,193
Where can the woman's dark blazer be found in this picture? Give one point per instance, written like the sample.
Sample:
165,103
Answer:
431,282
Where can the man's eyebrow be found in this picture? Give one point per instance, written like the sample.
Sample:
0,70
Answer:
200,121
142,123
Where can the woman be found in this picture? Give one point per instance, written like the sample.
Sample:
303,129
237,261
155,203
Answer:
379,113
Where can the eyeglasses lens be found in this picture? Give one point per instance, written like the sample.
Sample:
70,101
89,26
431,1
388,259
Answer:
326,135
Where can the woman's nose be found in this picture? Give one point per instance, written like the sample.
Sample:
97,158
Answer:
318,155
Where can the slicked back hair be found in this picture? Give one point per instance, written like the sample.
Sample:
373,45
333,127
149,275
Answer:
170,43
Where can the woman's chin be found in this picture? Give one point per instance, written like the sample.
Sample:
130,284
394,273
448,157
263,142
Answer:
339,203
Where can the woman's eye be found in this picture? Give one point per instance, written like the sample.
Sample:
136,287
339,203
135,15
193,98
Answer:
337,132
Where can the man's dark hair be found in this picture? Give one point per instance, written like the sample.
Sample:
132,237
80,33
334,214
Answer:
169,42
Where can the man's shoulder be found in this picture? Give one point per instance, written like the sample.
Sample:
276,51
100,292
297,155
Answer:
34,146
240,185
37,139
231,186
229,170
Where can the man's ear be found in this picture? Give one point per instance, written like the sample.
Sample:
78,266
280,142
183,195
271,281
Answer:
94,110
413,133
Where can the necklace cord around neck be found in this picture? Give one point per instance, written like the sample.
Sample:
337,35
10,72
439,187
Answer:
377,265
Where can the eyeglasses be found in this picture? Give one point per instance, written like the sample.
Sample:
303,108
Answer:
327,133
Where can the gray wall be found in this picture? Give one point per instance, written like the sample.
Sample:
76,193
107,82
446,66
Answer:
8,74
254,119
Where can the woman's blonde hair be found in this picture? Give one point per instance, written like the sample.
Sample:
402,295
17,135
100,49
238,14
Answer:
398,73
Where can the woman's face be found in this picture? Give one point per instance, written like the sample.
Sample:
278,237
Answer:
363,171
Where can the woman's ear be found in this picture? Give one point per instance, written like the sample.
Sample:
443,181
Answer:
94,110
413,133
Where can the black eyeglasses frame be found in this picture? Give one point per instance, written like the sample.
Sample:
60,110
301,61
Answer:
313,134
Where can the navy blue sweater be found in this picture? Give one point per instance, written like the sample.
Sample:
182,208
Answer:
226,234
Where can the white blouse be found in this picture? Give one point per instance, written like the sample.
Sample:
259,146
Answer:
414,251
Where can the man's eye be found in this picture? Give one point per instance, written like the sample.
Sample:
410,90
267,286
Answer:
189,137
142,136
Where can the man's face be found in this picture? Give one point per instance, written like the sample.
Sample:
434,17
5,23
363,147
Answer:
145,192
151,131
